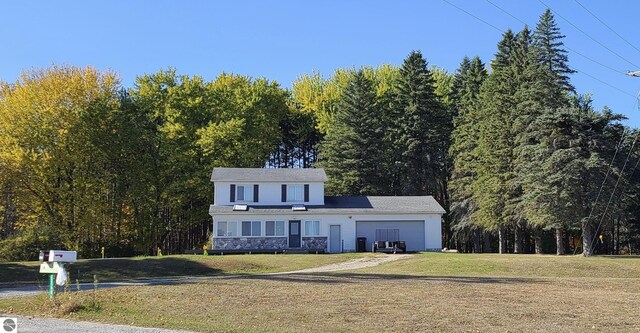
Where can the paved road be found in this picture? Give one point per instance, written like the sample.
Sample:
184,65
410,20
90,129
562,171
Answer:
37,325
67,326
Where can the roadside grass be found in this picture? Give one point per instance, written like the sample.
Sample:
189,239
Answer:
512,265
116,269
430,292
354,302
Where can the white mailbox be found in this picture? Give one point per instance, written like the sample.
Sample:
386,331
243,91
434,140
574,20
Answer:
62,256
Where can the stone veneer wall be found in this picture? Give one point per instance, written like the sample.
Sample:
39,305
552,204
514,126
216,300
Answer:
314,242
242,243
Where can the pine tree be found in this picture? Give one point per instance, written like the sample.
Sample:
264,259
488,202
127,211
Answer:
421,128
494,149
468,81
553,57
351,151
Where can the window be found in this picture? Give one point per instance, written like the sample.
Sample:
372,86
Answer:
312,228
244,193
227,229
251,228
274,228
295,193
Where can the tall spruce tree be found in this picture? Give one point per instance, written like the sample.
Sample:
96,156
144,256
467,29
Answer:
351,151
494,149
546,92
552,55
422,129
468,81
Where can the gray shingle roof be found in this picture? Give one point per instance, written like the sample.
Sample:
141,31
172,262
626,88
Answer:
269,175
350,205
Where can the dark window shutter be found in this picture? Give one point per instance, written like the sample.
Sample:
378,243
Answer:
232,193
306,192
284,192
255,193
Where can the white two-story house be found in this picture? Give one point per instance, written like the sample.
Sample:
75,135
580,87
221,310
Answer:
277,209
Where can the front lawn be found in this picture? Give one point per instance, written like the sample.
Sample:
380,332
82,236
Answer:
426,293
118,269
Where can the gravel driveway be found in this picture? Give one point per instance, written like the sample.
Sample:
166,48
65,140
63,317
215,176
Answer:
68,326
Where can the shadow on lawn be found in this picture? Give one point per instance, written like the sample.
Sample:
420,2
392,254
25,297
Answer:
339,278
116,269
632,256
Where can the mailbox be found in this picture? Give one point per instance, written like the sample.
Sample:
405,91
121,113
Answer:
62,256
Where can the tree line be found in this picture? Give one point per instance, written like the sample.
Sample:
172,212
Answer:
520,160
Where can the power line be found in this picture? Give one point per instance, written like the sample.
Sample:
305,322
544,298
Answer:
606,25
586,34
477,18
604,181
500,30
603,82
568,48
615,187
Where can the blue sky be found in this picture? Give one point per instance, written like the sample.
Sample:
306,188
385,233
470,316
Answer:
280,40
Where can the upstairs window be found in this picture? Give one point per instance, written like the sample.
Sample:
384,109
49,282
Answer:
244,193
295,193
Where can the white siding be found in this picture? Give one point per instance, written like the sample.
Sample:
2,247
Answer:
347,223
270,193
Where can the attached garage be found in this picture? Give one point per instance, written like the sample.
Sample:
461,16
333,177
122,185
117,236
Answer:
410,231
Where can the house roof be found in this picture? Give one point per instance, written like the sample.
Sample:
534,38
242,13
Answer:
269,175
349,205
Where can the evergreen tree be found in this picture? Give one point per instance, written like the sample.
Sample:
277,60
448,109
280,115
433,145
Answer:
352,149
553,57
421,129
494,149
467,84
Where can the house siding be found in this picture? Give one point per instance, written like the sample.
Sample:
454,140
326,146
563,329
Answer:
432,229
269,193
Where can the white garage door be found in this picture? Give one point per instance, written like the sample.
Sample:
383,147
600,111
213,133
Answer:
412,232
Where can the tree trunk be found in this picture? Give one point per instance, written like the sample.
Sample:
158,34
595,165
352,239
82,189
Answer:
477,234
502,240
587,239
518,243
486,247
559,241
538,240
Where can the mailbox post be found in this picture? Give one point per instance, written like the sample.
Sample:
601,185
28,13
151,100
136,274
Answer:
53,262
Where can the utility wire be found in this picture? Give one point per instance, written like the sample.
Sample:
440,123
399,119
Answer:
477,18
568,48
603,82
604,214
604,181
615,187
586,34
502,31
622,138
606,25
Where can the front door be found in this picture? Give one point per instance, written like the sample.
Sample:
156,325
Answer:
335,241
294,233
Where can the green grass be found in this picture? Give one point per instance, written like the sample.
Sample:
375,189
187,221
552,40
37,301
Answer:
12,273
430,292
511,265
